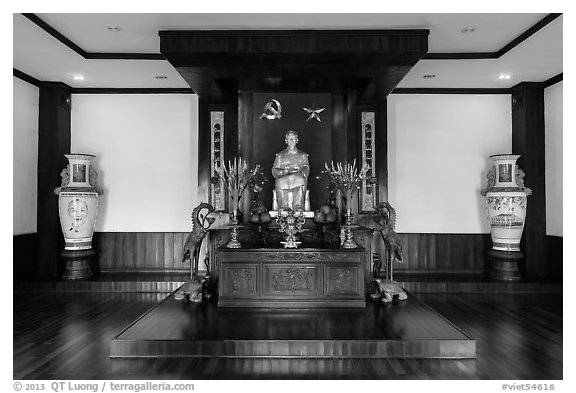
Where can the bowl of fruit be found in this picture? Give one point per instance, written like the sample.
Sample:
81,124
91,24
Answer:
260,217
324,216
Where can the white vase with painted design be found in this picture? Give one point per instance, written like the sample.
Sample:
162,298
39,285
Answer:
78,202
506,203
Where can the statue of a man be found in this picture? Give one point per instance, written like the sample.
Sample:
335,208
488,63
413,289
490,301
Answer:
291,170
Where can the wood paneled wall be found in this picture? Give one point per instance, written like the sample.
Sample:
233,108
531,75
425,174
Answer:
162,252
53,142
140,251
130,251
25,256
528,140
445,253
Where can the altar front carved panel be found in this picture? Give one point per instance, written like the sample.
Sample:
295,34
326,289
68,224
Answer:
299,278
240,281
342,279
294,280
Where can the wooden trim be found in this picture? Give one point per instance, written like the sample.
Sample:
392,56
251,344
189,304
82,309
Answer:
125,56
25,77
494,55
524,36
460,56
451,91
54,33
102,55
171,33
553,80
108,90
288,33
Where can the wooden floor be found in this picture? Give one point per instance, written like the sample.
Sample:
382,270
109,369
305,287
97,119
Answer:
67,336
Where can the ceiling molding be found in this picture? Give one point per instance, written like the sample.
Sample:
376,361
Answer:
450,91
158,56
494,55
54,33
553,80
522,37
87,55
106,90
25,77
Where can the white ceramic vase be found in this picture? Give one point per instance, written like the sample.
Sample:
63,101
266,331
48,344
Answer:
506,203
78,202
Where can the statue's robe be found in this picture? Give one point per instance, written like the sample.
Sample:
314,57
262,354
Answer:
295,183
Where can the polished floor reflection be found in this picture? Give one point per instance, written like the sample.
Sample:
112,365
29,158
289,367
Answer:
68,335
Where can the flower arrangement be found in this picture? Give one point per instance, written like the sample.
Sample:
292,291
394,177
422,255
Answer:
236,177
346,177
257,180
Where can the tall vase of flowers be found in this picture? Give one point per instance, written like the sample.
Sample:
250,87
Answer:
235,177
347,178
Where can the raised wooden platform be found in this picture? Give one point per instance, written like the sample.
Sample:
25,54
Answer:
408,329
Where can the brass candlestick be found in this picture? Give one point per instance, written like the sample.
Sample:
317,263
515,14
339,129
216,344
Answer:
234,243
349,242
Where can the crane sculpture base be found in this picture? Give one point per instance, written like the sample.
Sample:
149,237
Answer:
388,288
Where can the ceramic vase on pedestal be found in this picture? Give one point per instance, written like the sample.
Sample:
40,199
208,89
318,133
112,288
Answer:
78,209
506,202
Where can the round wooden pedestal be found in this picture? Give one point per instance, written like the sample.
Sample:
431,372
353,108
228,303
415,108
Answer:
77,264
505,265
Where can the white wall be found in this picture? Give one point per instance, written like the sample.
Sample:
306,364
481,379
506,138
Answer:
554,137
438,158
25,156
146,148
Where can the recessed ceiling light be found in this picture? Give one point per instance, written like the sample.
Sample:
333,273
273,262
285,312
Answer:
78,77
114,29
468,30
429,76
504,76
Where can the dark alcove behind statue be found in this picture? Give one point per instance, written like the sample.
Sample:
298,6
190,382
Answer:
315,138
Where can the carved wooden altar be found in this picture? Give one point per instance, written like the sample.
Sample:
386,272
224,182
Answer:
291,278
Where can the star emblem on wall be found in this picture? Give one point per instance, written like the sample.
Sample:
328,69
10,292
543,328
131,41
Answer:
314,113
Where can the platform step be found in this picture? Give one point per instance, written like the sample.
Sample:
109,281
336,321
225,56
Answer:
402,329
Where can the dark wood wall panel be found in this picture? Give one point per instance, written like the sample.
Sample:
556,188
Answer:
53,142
528,140
162,252
554,257
25,256
140,251
439,252
158,251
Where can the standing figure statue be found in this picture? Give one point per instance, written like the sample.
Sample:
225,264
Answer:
200,225
392,251
291,170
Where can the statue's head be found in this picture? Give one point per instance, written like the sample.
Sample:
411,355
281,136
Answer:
291,138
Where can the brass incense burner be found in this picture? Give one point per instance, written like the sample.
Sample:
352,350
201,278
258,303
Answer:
290,223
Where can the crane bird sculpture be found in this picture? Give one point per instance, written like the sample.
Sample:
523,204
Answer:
385,219
201,222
